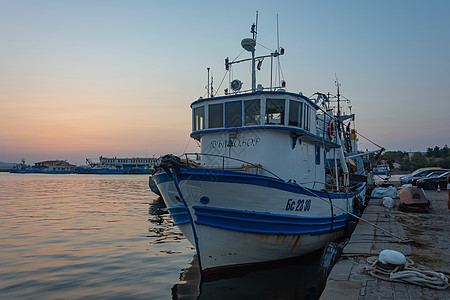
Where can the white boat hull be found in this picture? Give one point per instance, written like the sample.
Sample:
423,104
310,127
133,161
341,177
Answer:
234,219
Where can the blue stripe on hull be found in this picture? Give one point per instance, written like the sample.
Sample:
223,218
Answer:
25,171
266,223
179,215
244,178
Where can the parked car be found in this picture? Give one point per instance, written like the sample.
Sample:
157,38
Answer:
431,183
418,173
433,174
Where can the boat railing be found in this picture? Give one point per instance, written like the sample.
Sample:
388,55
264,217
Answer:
314,182
244,167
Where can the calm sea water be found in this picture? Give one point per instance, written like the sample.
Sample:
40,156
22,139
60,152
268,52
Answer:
109,237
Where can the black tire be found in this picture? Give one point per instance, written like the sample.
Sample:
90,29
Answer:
330,255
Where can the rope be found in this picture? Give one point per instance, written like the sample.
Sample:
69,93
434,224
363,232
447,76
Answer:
408,274
185,148
264,47
359,218
220,85
360,134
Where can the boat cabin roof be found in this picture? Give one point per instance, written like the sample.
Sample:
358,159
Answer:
258,93
277,110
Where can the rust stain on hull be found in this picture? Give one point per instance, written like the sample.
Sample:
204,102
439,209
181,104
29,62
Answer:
297,241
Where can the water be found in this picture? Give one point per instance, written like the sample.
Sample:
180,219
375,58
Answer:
108,236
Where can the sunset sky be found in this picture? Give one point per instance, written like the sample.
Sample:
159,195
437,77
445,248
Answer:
80,79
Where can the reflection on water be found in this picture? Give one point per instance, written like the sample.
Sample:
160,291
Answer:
289,280
93,236
161,232
107,236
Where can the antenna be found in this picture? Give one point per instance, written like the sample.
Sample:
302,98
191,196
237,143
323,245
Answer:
208,82
279,51
254,29
249,44
212,89
278,36
338,85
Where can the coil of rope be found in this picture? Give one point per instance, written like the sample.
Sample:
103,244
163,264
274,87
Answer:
407,273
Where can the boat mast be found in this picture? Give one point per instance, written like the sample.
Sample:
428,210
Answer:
338,96
254,32
276,52
339,123
207,87
249,44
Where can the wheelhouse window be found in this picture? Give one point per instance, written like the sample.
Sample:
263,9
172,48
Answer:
307,116
233,116
199,118
215,115
252,112
275,111
295,113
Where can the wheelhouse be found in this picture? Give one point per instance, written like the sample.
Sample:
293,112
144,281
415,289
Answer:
262,110
271,129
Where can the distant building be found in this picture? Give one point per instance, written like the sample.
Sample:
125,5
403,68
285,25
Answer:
55,165
122,162
396,166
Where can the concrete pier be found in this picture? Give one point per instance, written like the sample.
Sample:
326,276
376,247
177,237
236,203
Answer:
430,232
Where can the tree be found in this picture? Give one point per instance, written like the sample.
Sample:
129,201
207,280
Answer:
406,164
433,157
436,152
393,156
418,160
444,151
445,163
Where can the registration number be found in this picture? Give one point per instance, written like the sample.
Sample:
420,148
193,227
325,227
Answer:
298,205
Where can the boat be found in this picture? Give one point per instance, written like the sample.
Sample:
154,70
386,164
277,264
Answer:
46,167
279,174
118,165
153,187
382,168
99,170
22,167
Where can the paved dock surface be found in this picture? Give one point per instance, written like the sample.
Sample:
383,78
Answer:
431,233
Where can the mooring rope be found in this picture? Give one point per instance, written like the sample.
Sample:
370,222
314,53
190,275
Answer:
407,273
359,218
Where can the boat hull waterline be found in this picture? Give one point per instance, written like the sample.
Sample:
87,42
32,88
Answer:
236,219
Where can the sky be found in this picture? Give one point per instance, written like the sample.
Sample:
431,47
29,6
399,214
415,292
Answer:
81,79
